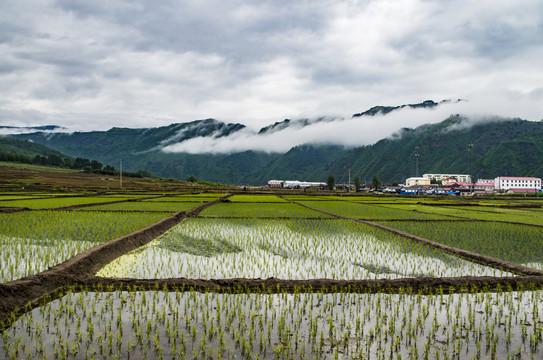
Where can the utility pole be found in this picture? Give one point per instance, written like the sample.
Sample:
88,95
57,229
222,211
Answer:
469,151
417,161
121,175
349,188
470,181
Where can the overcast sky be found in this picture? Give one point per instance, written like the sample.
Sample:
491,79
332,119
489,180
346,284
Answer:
92,65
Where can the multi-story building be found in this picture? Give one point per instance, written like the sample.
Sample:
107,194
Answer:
462,178
505,183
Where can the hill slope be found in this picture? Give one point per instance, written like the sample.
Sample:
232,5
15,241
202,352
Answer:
25,147
500,148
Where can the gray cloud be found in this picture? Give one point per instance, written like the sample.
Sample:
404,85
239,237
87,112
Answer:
96,64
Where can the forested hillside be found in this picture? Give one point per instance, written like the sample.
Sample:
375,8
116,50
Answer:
500,147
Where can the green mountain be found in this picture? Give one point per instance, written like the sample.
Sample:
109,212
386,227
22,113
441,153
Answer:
115,144
383,110
26,148
141,149
303,162
500,148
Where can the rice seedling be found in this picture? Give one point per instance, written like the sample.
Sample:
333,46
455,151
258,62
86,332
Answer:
367,211
176,324
183,323
31,242
146,206
21,197
260,210
526,216
516,243
55,202
287,249
257,198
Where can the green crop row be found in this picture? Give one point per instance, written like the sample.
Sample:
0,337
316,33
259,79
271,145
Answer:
521,244
193,325
147,206
31,242
50,203
527,216
367,211
256,198
260,210
286,249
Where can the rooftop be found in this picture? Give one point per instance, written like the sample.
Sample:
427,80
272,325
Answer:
517,178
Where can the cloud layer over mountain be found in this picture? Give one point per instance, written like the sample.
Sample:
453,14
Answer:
350,132
91,65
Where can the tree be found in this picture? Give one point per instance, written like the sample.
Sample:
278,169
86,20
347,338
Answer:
96,165
357,183
192,179
144,173
81,163
331,182
395,183
39,160
68,162
376,182
54,160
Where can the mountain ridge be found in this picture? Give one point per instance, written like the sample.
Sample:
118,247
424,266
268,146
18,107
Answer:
501,147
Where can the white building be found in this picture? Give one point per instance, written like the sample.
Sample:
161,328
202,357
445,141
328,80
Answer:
417,181
463,178
275,183
294,184
484,185
505,183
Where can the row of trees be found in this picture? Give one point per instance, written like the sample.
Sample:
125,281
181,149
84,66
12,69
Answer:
55,160
83,164
78,163
67,162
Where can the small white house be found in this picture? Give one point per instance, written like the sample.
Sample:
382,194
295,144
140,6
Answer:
275,183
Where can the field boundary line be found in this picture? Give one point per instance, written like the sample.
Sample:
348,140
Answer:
53,287
424,285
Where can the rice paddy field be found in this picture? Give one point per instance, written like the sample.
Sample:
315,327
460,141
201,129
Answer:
337,277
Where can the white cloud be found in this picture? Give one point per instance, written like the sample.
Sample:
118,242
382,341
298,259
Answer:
94,65
349,132
366,130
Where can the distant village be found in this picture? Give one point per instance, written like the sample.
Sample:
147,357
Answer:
435,184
